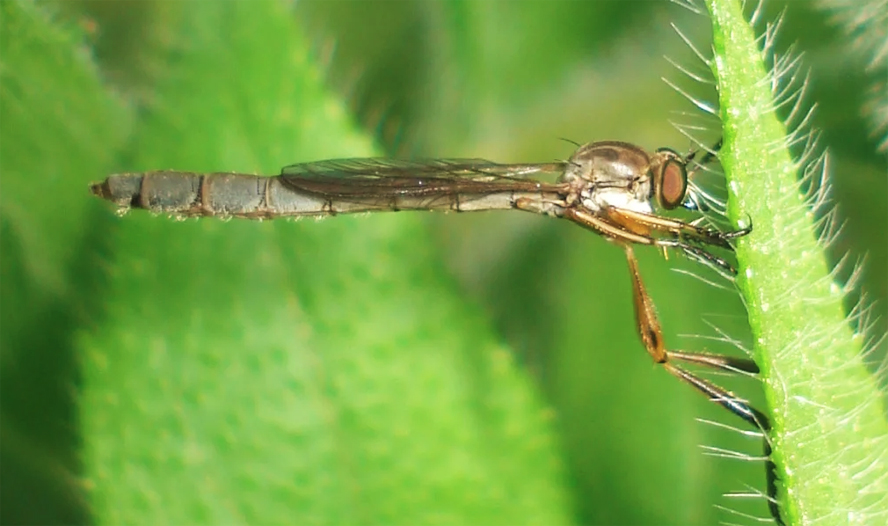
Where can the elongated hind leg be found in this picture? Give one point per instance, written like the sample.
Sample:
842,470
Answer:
651,335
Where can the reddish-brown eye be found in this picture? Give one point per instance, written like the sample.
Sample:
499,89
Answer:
673,184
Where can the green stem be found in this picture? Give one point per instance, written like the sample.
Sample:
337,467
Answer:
830,435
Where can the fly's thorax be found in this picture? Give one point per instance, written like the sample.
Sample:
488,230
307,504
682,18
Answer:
611,174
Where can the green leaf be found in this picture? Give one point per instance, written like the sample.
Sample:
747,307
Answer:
62,126
58,128
495,79
830,435
292,372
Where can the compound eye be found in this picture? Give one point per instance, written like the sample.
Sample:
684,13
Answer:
673,187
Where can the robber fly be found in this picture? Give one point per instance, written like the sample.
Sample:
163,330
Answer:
611,188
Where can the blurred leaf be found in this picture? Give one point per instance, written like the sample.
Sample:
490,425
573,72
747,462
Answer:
64,128
292,372
865,25
58,129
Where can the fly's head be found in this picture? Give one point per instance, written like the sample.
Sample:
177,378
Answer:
622,175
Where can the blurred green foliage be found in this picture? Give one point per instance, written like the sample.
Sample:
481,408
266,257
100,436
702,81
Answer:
353,370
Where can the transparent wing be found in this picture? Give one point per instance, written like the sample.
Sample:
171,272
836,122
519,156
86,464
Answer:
365,179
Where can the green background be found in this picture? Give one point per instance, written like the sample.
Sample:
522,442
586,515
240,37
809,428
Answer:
406,368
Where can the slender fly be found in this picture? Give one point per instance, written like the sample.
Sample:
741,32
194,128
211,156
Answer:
615,189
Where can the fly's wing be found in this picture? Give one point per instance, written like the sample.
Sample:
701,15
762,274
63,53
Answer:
380,180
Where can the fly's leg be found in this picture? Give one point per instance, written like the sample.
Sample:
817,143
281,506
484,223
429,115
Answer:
651,334
542,207
695,252
638,221
620,233
708,156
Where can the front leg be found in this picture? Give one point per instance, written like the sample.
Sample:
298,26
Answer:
640,235
641,222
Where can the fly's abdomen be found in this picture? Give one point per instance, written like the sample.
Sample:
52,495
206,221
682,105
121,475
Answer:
173,192
189,194
122,190
186,194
